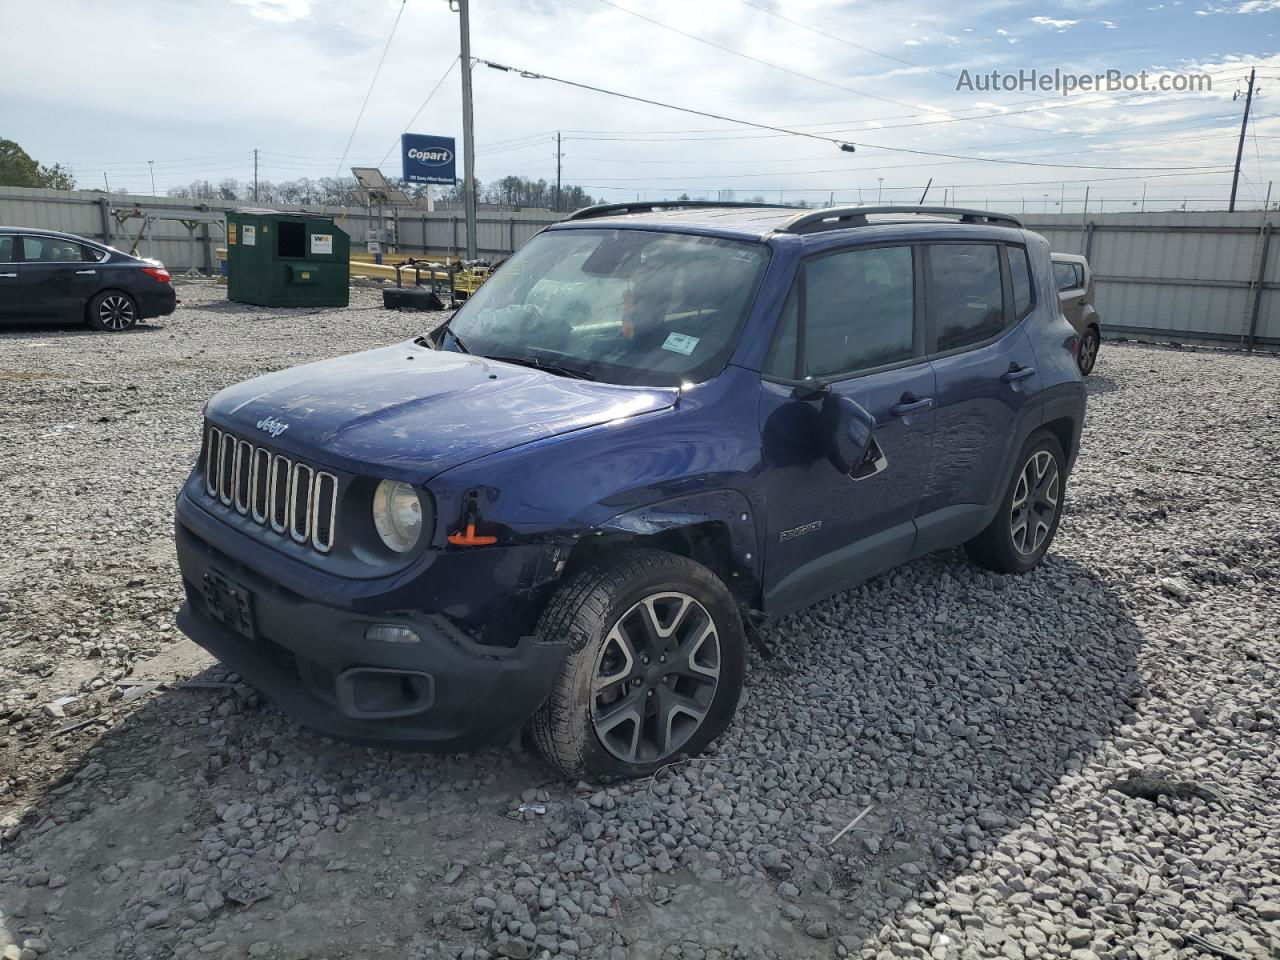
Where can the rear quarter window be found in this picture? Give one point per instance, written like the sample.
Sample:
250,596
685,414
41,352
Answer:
1020,277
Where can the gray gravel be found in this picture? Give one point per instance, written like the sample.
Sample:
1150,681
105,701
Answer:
980,721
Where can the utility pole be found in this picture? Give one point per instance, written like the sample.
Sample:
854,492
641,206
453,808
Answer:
105,182
151,165
468,145
1143,208
558,156
1244,123
255,174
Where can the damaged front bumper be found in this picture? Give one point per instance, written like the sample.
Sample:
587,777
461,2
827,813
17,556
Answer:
417,681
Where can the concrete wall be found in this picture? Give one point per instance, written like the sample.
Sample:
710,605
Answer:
1193,277
91,214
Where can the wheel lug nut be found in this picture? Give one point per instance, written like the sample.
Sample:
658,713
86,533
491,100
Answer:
644,660
649,694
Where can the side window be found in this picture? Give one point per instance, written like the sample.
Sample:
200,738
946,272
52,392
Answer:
55,250
1064,275
1079,275
7,252
91,254
966,296
1020,275
781,361
859,310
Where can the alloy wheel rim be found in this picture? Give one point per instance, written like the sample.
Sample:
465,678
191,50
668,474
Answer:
1088,352
1035,502
655,678
116,313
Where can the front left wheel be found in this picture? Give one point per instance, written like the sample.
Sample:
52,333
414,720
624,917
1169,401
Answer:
113,311
655,667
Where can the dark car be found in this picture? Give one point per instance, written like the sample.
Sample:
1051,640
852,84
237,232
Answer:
1074,278
652,428
56,277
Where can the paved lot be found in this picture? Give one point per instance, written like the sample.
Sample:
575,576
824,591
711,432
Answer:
980,720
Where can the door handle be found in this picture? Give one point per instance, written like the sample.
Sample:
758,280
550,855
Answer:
80,272
1082,301
1016,373
8,274
910,405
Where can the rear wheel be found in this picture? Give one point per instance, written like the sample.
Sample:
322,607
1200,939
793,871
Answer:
655,669
1024,526
1088,353
113,310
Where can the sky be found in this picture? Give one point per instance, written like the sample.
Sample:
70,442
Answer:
197,85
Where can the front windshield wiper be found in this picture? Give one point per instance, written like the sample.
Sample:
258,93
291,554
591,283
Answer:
437,343
537,364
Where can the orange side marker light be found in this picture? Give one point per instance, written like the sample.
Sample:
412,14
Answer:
470,539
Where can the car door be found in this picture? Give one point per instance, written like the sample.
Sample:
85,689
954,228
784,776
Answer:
1068,277
853,327
986,386
10,289
57,276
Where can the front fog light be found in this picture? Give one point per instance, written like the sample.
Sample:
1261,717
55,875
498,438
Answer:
397,513
390,633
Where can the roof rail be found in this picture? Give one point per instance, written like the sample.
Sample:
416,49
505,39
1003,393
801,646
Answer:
612,209
838,218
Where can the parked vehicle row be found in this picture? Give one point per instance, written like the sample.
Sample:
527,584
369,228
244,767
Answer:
47,276
652,428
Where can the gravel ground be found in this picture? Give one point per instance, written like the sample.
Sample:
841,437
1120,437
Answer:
978,723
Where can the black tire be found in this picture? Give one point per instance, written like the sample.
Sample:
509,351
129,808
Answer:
112,311
1087,354
600,613
1008,545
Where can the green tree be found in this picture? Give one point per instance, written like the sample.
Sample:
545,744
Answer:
18,169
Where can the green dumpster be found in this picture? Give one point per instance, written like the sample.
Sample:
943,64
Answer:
286,259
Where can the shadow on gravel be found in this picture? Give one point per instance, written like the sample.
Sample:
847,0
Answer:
951,701
68,330
1096,385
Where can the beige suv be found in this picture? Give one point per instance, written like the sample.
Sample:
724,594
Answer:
1074,280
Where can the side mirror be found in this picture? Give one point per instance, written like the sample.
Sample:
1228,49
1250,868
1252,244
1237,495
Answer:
847,433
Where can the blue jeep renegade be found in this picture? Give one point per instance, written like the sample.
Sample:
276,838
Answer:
656,425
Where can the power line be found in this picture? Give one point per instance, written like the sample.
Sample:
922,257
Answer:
369,92
847,43
747,56
844,145
452,63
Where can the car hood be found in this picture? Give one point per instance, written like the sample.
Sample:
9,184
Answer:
411,412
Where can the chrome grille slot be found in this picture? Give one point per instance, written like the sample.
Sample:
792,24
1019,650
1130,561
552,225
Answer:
211,448
260,483
244,459
324,511
226,467
300,502
286,495
281,470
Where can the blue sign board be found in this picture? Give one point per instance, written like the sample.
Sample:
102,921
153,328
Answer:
427,159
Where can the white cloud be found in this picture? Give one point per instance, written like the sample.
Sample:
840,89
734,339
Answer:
1109,24
1059,25
278,11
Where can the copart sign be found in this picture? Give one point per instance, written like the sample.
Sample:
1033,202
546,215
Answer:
427,159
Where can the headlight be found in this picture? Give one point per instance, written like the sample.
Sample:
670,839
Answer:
397,513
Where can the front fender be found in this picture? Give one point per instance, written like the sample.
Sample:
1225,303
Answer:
728,508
